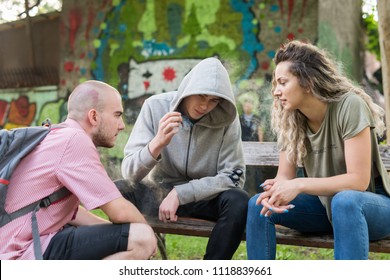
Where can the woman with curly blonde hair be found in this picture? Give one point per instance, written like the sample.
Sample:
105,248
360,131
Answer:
329,126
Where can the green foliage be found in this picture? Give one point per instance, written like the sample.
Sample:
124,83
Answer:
371,29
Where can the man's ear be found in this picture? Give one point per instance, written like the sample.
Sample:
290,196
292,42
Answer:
93,117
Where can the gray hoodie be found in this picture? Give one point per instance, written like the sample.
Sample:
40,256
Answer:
201,158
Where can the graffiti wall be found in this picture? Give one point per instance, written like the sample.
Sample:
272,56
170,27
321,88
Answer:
145,47
104,39
25,107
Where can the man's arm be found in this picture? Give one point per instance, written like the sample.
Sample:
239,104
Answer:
113,210
260,133
86,218
138,160
145,142
121,210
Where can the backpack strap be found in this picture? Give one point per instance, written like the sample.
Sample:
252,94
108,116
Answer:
43,203
34,207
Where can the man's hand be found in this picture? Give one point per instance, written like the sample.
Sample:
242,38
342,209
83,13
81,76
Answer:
168,207
167,128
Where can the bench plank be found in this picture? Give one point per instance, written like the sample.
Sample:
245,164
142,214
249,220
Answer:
267,154
183,226
286,236
261,153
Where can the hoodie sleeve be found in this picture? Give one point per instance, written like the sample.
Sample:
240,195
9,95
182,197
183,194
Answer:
231,159
138,161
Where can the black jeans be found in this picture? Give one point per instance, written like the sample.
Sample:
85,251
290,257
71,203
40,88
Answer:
228,210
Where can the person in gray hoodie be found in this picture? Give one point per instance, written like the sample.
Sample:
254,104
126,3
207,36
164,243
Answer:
184,157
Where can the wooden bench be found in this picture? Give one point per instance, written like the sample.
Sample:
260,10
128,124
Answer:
262,154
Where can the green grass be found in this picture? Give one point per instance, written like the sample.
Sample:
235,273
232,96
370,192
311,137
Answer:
181,247
192,248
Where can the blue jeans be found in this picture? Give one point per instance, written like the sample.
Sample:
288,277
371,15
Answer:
357,218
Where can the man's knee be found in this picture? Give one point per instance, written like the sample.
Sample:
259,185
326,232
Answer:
142,240
237,198
234,203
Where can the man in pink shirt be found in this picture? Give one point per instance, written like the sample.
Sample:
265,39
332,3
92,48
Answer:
68,157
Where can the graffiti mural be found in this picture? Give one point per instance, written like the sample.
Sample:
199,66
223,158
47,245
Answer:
145,47
154,77
30,107
21,112
4,107
100,37
244,33
81,24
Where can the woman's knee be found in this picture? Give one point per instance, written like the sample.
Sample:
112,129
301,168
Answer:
142,240
252,203
346,201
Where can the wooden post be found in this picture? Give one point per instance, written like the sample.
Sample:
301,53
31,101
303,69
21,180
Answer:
384,41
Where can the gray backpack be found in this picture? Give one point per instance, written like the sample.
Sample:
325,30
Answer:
14,145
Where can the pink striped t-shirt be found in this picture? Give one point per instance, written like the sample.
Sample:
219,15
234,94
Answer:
66,157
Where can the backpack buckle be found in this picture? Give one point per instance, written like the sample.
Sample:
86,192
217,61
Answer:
45,202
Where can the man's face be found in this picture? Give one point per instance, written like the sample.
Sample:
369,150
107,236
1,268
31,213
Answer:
247,108
196,106
111,122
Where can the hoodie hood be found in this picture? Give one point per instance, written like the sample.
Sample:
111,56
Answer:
211,78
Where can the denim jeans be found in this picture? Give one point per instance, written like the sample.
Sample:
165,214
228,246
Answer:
357,218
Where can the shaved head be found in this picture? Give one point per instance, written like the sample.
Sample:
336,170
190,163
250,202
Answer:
86,96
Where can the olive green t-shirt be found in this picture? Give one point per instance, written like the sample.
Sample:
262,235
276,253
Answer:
343,120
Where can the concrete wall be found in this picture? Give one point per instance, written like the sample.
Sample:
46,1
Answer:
15,46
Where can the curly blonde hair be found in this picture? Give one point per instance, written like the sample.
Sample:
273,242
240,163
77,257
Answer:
317,72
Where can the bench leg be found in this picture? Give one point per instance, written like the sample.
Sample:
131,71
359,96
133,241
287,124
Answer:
161,245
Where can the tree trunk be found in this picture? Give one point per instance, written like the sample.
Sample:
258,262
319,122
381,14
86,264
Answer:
384,41
30,37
